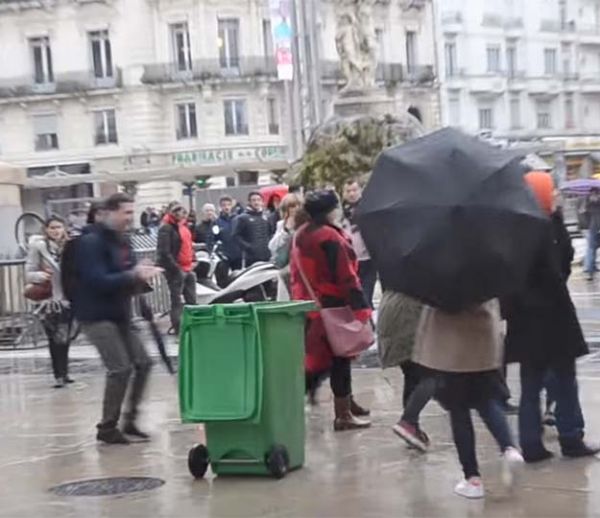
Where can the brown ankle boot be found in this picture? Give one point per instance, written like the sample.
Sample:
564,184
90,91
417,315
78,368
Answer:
344,420
358,410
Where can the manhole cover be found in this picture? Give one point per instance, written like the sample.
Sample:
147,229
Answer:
107,486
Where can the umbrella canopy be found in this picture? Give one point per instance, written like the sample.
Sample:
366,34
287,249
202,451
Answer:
581,187
268,193
450,221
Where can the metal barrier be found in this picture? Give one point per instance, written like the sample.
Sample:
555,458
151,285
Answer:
20,326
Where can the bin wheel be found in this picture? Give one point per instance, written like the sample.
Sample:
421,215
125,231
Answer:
278,461
198,461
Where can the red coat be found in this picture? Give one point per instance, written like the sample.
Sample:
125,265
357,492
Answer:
329,262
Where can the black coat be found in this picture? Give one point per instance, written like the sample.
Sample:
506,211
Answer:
543,328
252,231
168,246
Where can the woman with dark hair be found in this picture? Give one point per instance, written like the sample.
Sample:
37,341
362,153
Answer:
323,254
43,266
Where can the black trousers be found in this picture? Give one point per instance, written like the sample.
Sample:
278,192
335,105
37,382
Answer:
57,325
368,278
340,378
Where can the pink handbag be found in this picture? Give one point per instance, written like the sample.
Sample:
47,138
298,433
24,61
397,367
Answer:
347,335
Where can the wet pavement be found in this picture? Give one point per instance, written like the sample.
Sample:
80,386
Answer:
47,438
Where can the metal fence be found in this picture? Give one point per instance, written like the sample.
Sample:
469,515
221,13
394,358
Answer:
20,325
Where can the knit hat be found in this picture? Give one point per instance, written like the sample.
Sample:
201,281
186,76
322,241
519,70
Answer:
542,186
322,202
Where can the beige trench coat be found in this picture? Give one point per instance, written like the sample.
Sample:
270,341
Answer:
469,341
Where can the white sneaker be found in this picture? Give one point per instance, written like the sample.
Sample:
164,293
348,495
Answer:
471,488
512,460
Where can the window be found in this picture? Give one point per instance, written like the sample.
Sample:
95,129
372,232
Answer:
544,117
229,33
486,118
549,62
411,50
236,121
273,116
101,54
454,111
450,52
182,52
380,47
186,121
493,59
105,126
569,113
42,60
515,113
511,61
45,130
268,39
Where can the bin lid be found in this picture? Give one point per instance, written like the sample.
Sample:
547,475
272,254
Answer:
220,365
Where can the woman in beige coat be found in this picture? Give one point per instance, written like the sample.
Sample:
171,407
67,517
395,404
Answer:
464,351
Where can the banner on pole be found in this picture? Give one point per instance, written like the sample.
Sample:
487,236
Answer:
281,28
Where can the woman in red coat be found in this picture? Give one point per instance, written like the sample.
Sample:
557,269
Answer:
325,254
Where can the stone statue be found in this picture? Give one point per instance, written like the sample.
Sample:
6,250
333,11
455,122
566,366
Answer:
355,43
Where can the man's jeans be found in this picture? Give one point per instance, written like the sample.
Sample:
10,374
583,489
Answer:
590,254
180,284
122,352
562,386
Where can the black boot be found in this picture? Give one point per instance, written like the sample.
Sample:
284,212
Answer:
537,455
577,448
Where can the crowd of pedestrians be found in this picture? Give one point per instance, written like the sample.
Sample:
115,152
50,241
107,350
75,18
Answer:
315,242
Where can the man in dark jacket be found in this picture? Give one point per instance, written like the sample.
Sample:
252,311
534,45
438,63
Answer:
545,337
205,230
253,231
107,278
174,250
225,221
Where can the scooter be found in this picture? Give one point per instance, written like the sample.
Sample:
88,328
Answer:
253,284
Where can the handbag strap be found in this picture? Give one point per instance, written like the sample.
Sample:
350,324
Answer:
305,281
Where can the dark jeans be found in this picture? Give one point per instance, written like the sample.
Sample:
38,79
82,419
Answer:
122,352
562,387
417,393
368,278
181,284
57,325
464,435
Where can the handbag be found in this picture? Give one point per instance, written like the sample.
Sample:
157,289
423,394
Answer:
347,335
39,291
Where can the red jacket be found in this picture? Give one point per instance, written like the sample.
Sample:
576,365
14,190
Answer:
328,260
186,252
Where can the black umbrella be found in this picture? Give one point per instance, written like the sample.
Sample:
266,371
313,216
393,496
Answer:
147,315
449,220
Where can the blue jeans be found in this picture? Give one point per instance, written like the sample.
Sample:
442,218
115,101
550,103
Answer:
493,416
562,386
590,255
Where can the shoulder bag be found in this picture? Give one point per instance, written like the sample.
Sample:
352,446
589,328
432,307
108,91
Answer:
347,335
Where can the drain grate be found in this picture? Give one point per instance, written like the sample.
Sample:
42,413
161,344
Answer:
107,486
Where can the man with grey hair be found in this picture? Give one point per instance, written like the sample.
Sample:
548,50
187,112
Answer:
207,230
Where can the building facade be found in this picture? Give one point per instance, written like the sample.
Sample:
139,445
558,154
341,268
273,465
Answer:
151,93
520,69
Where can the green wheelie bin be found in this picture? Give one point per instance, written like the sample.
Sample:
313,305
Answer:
241,373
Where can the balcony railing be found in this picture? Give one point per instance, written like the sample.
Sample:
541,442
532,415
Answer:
492,20
6,5
513,23
515,75
388,73
67,83
590,29
557,26
210,69
451,17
